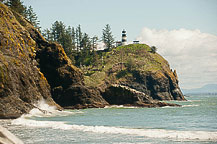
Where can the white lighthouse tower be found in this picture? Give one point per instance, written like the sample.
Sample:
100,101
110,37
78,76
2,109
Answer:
124,38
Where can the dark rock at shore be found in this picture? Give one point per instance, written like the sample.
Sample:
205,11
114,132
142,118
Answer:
123,95
79,96
158,85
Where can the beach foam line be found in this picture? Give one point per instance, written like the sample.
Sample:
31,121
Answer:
193,105
121,106
150,133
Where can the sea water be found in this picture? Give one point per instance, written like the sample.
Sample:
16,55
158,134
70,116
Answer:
193,123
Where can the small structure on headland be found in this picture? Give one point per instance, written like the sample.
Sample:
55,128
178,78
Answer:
135,42
124,37
118,43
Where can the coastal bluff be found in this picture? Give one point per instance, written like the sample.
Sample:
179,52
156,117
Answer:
32,69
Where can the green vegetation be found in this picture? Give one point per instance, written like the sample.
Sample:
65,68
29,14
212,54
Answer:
153,49
107,37
79,47
20,8
123,62
32,17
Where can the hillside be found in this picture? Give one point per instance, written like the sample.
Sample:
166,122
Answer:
137,68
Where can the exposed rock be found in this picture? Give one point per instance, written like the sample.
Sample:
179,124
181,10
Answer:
21,82
7,137
79,96
65,81
123,95
132,75
120,95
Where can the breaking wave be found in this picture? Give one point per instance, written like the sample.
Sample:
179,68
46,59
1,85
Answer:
27,121
121,106
150,133
44,110
193,105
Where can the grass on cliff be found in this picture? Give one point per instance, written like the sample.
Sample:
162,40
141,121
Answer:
122,61
138,55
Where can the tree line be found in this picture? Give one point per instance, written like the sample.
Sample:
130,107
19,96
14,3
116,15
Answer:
25,11
78,45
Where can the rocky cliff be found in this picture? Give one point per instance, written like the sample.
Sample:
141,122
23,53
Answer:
32,69
135,75
21,82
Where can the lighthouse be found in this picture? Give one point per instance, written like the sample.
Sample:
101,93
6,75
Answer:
124,37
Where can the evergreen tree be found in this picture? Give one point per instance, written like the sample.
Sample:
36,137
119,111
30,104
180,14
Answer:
32,17
17,6
79,36
107,37
95,59
71,32
58,32
69,40
94,43
48,35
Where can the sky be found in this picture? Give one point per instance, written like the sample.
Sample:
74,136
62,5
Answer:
184,31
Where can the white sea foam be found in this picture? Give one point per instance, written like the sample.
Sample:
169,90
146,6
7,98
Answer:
168,107
193,100
151,133
44,110
193,105
120,106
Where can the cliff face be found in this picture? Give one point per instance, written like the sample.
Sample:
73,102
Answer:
21,82
134,75
32,69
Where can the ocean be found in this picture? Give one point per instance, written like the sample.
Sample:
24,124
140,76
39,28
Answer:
193,123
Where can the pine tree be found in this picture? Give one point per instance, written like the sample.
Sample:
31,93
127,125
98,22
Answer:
86,43
107,37
17,6
94,43
58,32
32,17
79,36
71,32
48,35
95,59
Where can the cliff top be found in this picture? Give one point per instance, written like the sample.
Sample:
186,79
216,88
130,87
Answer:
125,60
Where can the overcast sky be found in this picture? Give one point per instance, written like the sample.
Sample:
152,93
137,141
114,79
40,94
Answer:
184,31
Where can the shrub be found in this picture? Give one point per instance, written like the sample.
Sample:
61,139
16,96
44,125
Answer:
153,49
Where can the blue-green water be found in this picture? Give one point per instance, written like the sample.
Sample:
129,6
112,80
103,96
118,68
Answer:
194,123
